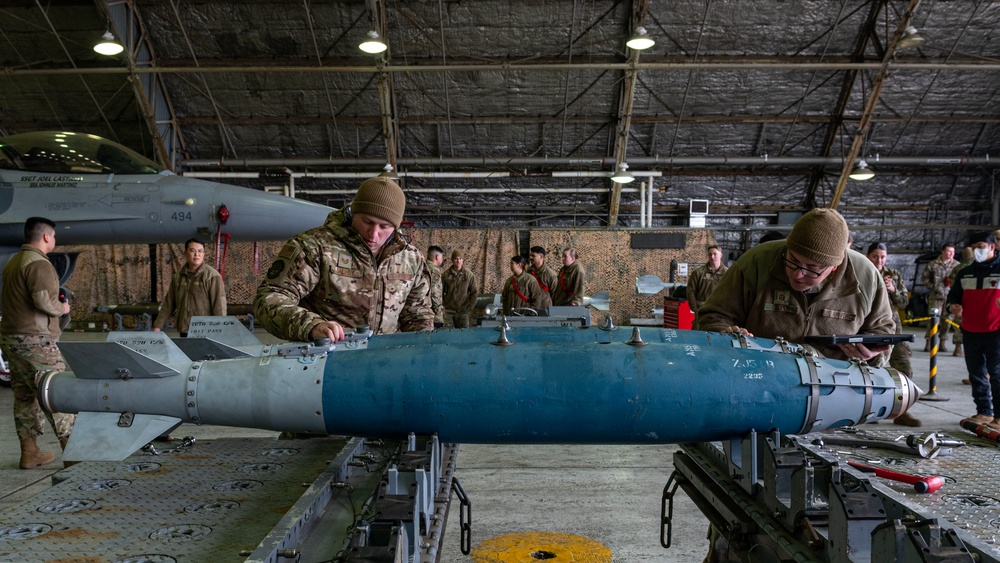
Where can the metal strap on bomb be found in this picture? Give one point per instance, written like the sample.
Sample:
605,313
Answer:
812,409
866,377
191,393
843,383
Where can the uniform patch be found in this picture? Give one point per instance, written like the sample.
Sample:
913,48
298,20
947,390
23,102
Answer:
289,251
843,315
782,297
275,270
780,308
344,261
393,276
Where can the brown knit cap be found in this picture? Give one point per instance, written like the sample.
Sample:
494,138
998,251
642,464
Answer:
457,254
382,198
820,236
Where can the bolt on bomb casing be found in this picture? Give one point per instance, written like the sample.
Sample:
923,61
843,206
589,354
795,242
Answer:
553,385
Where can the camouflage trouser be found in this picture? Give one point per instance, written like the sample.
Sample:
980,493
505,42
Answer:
457,319
899,360
29,357
933,303
957,338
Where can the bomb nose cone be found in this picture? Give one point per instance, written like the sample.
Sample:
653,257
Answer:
908,394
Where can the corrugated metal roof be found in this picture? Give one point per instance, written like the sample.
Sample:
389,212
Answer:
482,86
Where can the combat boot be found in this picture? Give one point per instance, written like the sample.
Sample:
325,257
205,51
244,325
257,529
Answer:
942,348
958,351
907,419
32,457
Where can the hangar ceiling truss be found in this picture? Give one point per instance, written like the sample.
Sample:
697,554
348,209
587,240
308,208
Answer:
529,105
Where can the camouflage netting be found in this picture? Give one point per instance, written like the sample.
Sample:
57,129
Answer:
119,274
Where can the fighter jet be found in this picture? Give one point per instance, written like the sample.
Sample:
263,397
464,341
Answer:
100,192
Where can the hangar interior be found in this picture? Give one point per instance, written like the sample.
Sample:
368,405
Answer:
504,121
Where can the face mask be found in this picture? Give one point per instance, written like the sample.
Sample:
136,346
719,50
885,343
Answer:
981,254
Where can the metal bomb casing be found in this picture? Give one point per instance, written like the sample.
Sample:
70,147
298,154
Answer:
551,385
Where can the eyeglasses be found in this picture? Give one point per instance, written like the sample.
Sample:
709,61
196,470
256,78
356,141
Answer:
794,266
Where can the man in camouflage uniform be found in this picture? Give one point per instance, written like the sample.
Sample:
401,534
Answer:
967,259
29,330
568,289
543,274
935,279
460,292
435,257
354,270
703,279
901,353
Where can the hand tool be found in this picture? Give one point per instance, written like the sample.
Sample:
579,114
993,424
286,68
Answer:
982,430
925,484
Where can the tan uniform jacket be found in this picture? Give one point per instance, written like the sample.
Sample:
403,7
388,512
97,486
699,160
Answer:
755,294
546,278
191,294
701,283
30,296
460,290
522,291
568,289
329,274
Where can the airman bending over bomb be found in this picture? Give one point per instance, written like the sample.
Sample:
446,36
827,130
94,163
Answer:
807,284
354,270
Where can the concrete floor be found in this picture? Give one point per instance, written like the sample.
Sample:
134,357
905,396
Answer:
610,494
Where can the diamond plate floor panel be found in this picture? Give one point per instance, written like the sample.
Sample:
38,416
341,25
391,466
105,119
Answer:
970,496
212,502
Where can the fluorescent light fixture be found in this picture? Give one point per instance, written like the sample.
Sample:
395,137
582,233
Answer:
910,38
373,44
622,176
861,171
108,46
640,40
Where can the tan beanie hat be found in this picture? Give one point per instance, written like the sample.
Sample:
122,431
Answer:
457,254
382,198
820,236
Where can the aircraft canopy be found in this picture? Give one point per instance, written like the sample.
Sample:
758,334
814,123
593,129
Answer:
71,153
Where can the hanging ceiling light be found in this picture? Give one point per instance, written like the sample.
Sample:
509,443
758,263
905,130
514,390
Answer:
861,171
622,176
910,38
388,173
108,46
373,44
640,40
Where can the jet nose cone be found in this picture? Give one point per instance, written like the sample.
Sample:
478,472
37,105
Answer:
259,215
